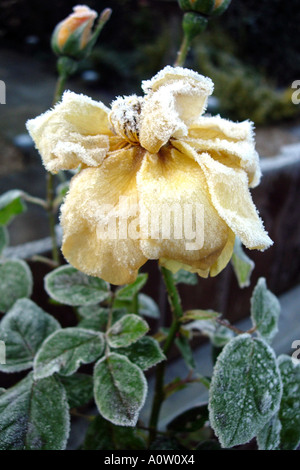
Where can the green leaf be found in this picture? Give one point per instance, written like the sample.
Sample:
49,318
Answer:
221,336
120,389
190,420
23,329
184,347
265,310
34,416
103,435
268,437
126,331
69,286
145,353
185,277
245,390
199,315
93,311
65,350
218,334
96,318
79,388
15,282
242,264
289,413
128,292
147,306
4,238
11,204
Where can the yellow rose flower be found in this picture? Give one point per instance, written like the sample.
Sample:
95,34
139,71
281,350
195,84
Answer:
157,149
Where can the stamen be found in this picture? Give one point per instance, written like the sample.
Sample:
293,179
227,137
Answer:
125,117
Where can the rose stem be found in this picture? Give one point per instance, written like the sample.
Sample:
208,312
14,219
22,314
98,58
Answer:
159,395
60,85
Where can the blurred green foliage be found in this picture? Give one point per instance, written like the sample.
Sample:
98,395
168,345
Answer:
266,34
244,92
252,52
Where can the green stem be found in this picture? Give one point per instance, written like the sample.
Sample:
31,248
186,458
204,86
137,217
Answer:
109,321
183,51
34,200
51,217
230,327
135,304
45,260
174,298
60,86
159,393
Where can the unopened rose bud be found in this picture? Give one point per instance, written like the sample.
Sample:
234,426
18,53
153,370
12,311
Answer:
105,15
200,6
193,24
204,7
72,35
220,7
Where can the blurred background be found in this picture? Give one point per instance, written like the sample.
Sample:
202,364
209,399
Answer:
252,53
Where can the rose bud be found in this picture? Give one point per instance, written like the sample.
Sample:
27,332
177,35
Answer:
72,35
204,7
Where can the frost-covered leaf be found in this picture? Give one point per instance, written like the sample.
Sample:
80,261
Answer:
93,311
207,327
268,437
145,353
120,389
126,331
221,336
65,350
147,306
79,388
2,390
289,413
15,282
218,334
265,310
190,420
128,292
23,329
245,390
4,238
69,286
103,435
185,277
242,264
184,347
11,204
96,318
34,416
199,315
